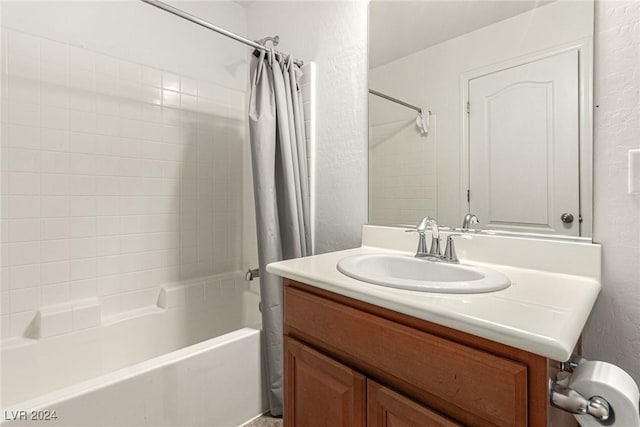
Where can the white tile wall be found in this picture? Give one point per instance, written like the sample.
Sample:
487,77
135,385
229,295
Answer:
117,178
402,172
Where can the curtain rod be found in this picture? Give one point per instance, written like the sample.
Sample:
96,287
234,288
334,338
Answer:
184,15
392,99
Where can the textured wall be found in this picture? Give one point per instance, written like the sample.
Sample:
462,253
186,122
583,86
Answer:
613,331
333,34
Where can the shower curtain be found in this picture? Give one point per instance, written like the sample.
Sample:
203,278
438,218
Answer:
281,191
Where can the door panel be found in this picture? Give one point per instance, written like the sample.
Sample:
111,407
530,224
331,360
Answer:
386,408
319,391
524,146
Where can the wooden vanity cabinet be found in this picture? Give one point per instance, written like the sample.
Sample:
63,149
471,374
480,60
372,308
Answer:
349,363
320,391
386,408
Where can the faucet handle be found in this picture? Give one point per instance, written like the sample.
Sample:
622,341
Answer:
460,235
421,228
450,250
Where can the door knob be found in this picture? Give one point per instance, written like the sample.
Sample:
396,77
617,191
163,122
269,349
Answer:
567,218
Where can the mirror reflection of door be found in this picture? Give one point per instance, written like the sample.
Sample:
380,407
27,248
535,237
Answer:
524,147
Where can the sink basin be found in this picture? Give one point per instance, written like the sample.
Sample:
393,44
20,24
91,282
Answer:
407,272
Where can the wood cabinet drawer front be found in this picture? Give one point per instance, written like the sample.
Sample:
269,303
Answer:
474,387
386,408
319,391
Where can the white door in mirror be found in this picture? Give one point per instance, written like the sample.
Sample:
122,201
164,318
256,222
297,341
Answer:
524,147
407,272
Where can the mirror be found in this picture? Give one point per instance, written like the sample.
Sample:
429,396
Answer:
482,107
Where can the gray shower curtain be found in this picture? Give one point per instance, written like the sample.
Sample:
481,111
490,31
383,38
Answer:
281,191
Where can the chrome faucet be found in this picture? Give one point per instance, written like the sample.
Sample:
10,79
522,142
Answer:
469,220
434,253
421,229
435,238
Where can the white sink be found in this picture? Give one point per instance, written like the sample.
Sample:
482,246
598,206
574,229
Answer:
407,272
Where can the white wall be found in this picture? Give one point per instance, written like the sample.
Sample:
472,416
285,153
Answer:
431,78
613,331
334,36
122,134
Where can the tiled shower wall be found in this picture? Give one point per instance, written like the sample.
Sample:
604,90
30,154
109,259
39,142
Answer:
402,170
116,178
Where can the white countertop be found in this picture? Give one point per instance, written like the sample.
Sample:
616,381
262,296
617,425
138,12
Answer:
541,312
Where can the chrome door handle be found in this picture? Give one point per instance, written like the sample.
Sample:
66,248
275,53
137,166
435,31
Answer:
567,218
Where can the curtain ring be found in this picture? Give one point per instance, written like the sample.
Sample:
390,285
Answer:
272,55
260,65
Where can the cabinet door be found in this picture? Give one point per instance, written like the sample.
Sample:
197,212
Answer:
386,408
320,392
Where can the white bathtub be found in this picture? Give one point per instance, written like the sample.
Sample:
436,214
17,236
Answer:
193,365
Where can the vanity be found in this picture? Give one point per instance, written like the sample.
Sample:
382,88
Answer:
357,353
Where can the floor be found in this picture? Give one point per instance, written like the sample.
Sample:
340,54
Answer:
265,421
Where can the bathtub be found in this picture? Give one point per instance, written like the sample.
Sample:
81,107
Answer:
192,365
